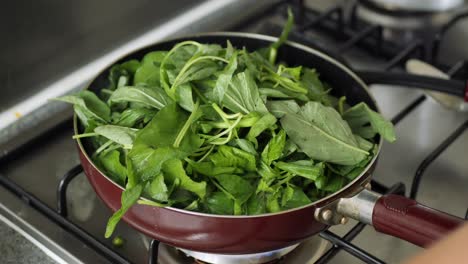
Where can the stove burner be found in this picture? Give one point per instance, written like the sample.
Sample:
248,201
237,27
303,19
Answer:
304,253
405,19
414,6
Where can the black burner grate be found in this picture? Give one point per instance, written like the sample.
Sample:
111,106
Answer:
352,34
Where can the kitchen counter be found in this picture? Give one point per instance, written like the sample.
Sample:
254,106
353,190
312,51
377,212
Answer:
15,248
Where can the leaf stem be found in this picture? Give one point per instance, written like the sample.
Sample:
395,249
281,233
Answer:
223,115
162,69
206,154
103,147
191,63
187,124
226,131
92,134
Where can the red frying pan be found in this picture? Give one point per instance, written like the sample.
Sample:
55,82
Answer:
391,214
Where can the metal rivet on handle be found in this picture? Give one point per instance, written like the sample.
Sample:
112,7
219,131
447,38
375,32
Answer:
327,215
344,220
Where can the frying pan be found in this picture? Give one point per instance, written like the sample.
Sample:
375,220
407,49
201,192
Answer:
227,234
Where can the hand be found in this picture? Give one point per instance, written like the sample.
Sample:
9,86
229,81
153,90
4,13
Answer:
453,250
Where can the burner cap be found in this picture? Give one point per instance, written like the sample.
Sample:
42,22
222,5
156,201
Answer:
306,252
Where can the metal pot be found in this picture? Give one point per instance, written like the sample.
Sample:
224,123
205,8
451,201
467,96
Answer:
227,234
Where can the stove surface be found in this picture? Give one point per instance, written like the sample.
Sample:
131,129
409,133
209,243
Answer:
443,186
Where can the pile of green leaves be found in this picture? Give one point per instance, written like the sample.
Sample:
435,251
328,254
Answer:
223,130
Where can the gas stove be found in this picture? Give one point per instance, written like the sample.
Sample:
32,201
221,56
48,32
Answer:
45,197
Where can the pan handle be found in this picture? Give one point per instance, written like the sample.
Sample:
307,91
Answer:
407,219
399,216
454,87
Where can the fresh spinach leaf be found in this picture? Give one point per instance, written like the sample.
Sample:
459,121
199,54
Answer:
265,122
360,115
209,169
219,203
227,156
236,186
129,198
88,107
173,169
167,127
274,149
119,134
110,161
157,189
242,95
134,117
280,108
225,78
322,134
150,97
293,197
307,169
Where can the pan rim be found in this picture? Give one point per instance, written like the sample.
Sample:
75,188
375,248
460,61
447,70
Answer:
330,198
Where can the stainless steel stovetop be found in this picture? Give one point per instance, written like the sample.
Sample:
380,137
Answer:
39,167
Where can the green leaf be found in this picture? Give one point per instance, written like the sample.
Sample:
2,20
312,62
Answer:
272,204
315,89
95,105
280,108
236,186
147,74
289,148
273,93
167,126
154,58
209,169
157,189
245,145
227,156
148,162
360,115
256,204
173,169
267,172
130,66
129,198
265,122
184,97
274,149
219,203
294,197
88,107
285,81
242,95
120,74
119,134
131,117
110,161
322,134
302,168
150,97
321,181
334,184
225,78
363,144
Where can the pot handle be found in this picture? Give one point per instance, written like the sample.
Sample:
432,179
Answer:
407,219
399,216
454,87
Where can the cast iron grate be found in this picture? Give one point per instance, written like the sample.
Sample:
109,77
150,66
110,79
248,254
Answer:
353,34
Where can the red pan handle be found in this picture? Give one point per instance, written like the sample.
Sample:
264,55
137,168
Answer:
398,216
407,219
